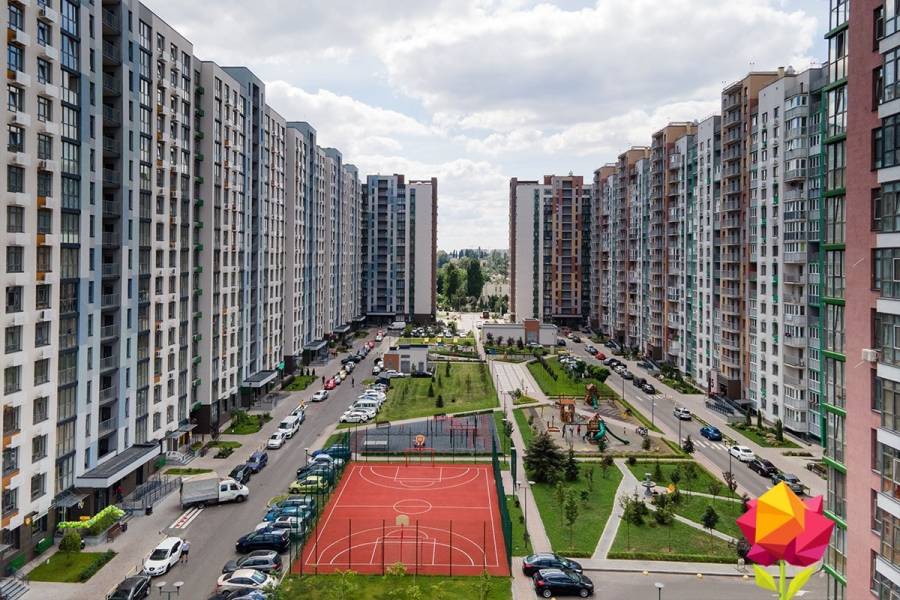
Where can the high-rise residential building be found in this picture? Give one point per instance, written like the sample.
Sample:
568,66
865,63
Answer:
549,246
681,252
601,214
784,350
399,240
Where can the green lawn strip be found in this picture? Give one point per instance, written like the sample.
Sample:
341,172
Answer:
447,341
677,542
525,429
680,386
520,547
592,515
186,471
71,567
523,399
564,385
754,435
244,424
693,507
464,389
300,383
376,587
699,484
338,437
224,444
505,441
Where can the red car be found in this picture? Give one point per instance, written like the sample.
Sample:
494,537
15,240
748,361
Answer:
370,344
600,356
330,384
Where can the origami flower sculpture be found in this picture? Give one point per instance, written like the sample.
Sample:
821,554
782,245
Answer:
783,529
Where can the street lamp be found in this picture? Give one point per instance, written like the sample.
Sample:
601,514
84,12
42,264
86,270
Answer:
659,589
653,410
176,589
306,456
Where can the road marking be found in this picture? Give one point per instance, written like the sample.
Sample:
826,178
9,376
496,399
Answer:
186,518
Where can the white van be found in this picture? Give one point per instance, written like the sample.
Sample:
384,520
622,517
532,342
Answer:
367,403
397,326
289,425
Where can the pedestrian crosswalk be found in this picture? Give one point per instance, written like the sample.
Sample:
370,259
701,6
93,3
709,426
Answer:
705,443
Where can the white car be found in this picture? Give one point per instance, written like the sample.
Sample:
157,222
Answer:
354,416
349,367
328,459
376,370
742,453
299,412
682,413
374,394
276,440
379,337
245,580
319,396
366,410
293,523
164,557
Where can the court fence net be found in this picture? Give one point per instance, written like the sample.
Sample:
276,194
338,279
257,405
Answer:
505,521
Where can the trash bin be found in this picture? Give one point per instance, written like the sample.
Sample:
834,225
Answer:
124,527
149,510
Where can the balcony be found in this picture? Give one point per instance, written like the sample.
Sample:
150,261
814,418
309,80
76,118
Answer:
109,363
111,208
111,22
109,332
110,300
112,54
795,174
111,178
112,86
109,394
112,239
108,426
795,341
794,360
69,375
111,117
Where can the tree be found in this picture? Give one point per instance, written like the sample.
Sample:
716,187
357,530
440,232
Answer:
442,258
675,477
645,445
602,443
730,481
447,369
571,468
430,390
605,464
71,542
710,518
560,492
759,419
779,430
474,278
544,459
452,281
439,403
345,586
657,472
714,488
688,445
690,473
483,586
570,508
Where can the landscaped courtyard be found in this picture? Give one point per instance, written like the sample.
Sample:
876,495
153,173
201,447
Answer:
455,387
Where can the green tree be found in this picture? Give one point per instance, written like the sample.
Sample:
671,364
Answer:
346,585
571,468
688,445
714,488
71,542
675,477
710,518
544,459
605,464
483,586
779,430
452,281
442,258
474,278
570,509
560,492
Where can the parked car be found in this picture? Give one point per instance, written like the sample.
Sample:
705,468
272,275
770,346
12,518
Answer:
132,588
266,539
742,453
164,557
295,525
638,382
303,511
599,355
763,467
241,473
575,338
791,480
239,595
682,413
289,426
548,560
310,483
320,396
626,374
261,560
308,501
711,433
300,413
258,461
276,440
347,359
335,450
354,416
246,579
590,349
549,583
330,385
376,370
648,388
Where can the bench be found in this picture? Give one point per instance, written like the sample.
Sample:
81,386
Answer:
115,531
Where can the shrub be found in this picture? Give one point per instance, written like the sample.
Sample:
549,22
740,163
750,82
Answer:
544,459
631,461
71,541
439,403
96,524
645,443
95,566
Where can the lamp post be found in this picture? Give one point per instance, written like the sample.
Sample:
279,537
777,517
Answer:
659,589
175,589
653,410
306,456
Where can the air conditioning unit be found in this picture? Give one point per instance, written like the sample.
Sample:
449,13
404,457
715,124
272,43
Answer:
870,355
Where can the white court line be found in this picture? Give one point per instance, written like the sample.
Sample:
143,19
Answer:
334,506
493,531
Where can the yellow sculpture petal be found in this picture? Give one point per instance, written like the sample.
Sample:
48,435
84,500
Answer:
780,516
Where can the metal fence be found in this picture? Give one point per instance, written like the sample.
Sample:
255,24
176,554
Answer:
467,436
505,521
150,492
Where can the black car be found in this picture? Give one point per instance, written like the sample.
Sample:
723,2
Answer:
132,588
763,467
548,560
264,539
241,473
648,388
261,560
639,382
558,582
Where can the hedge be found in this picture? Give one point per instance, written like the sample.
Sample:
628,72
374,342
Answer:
100,522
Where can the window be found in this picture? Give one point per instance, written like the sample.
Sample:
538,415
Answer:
834,274
42,333
38,485
15,219
14,259
14,299
12,379
16,19
13,338
41,410
44,71
834,328
15,58
44,220
42,297
15,179
44,34
45,184
16,142
41,371
45,109
38,447
44,147
835,387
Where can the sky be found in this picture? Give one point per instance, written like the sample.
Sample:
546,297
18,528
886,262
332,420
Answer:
475,92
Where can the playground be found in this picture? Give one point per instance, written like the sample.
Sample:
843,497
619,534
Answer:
580,423
435,519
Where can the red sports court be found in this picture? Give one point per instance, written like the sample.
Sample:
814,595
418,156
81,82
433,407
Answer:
435,519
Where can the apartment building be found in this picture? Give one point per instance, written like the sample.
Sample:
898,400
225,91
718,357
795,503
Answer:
399,237
601,294
549,246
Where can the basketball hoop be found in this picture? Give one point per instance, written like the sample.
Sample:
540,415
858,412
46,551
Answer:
402,521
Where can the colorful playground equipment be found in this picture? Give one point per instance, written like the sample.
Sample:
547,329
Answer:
592,395
597,430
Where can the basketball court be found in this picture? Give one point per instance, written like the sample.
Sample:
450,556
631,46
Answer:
436,519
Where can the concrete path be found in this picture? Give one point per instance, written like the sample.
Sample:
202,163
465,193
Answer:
626,486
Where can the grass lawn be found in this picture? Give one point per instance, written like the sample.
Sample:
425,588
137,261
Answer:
300,383
505,441
520,546
467,387
523,399
374,587
699,484
74,567
452,340
680,385
337,437
592,514
758,436
564,385
670,542
223,444
244,424
693,507
185,471
524,427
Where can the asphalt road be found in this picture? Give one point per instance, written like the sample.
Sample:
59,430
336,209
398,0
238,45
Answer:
634,586
659,408
213,533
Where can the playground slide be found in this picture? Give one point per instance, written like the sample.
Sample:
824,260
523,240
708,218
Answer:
602,431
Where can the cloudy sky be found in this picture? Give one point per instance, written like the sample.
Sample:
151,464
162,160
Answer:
474,92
